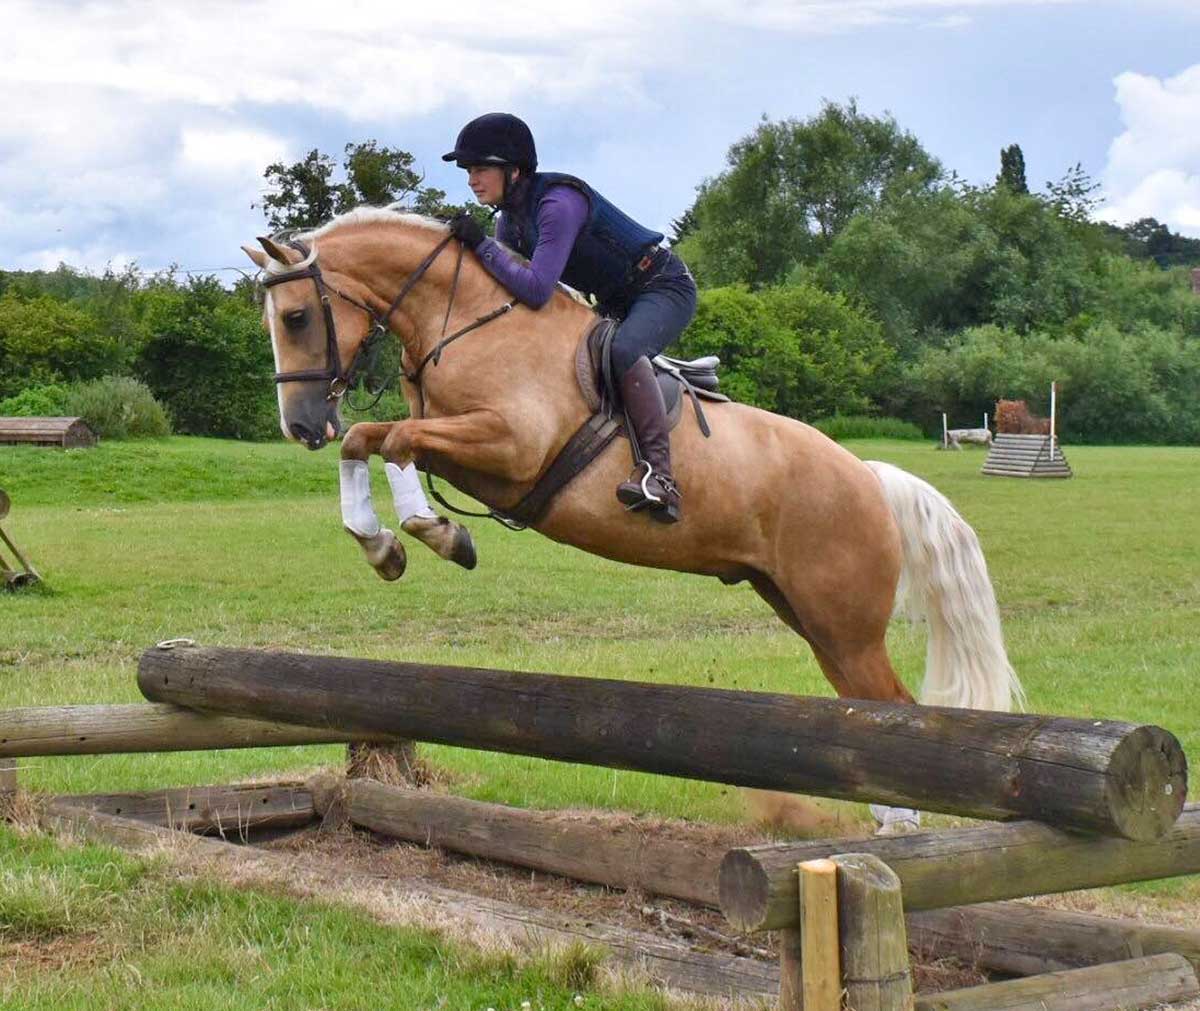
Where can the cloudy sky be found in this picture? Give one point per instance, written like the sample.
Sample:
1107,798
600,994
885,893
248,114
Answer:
138,131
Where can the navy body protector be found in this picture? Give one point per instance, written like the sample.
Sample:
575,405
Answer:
607,250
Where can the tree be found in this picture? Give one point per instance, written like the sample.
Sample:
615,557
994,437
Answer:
1148,238
1073,197
683,226
793,186
305,194
1012,169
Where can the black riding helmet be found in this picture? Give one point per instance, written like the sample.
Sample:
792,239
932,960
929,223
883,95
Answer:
497,138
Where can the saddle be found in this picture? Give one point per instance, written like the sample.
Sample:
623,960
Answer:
593,370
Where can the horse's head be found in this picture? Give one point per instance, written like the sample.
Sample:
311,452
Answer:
318,323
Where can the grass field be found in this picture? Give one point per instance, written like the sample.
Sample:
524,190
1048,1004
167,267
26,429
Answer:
233,544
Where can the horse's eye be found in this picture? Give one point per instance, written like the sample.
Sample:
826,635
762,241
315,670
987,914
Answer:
295,319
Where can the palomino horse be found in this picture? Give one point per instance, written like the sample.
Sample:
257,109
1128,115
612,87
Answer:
824,538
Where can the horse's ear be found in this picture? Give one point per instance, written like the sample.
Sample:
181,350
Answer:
273,251
257,255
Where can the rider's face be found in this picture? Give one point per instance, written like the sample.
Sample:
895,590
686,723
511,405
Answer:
487,183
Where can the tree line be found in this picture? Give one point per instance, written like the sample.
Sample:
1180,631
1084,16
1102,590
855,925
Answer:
843,271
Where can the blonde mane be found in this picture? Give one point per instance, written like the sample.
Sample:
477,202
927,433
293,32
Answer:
364,215
368,215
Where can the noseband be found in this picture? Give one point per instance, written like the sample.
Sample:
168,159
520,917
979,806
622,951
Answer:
340,380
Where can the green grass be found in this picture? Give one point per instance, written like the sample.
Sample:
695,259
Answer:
241,544
127,933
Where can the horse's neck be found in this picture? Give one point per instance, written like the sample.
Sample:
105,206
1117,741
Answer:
385,255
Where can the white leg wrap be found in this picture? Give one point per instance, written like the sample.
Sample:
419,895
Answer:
406,492
358,514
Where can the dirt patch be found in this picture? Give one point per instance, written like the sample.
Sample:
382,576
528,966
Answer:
364,852
20,960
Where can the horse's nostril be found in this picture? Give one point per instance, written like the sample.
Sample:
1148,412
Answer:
304,434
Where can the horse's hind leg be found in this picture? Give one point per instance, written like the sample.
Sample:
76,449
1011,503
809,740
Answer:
856,670
857,665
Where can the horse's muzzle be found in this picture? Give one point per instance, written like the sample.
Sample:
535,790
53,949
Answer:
312,439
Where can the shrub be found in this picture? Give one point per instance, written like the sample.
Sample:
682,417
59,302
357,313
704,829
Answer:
47,401
43,341
117,407
860,426
1116,385
794,349
207,359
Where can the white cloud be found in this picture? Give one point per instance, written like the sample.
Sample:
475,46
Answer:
949,21
228,150
144,127
825,16
140,128
1153,167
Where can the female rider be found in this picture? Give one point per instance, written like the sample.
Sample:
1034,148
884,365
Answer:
568,231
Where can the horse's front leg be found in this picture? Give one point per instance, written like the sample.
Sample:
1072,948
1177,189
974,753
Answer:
479,441
379,544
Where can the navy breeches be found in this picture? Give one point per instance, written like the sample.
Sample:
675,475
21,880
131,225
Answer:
662,306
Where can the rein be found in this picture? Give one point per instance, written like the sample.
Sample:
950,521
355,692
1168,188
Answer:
340,380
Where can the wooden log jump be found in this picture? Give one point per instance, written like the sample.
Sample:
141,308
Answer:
136,727
1096,775
68,433
953,867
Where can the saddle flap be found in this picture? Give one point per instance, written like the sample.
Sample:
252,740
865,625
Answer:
700,374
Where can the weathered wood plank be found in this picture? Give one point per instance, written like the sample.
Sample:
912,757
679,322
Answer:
873,944
425,905
1025,940
140,726
1102,776
225,810
791,970
570,844
954,867
1116,986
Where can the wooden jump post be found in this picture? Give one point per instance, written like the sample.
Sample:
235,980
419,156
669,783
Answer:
1096,775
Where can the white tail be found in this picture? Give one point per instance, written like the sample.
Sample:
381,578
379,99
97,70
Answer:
944,579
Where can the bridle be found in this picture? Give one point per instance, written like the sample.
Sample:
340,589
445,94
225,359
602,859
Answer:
340,380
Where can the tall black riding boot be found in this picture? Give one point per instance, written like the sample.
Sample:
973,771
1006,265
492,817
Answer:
650,485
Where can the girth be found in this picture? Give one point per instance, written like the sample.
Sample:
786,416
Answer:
593,369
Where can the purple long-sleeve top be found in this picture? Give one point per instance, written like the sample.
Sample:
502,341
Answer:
560,215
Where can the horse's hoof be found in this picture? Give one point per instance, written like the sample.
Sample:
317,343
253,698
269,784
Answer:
393,564
384,552
463,551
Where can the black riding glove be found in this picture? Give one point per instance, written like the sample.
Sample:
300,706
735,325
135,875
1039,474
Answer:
467,230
